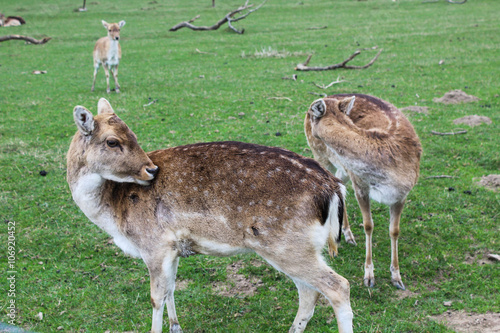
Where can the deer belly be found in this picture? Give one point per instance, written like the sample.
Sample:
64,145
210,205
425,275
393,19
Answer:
112,61
385,194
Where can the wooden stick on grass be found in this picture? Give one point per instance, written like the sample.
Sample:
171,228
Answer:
229,18
448,133
28,39
343,64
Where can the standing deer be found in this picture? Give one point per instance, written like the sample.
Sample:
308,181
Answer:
219,198
108,52
372,143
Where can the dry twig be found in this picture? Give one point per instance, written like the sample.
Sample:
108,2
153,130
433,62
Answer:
288,99
317,28
441,176
448,133
229,18
328,86
343,64
28,39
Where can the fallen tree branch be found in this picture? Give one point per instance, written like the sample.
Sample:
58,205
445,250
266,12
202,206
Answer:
448,133
229,18
328,86
441,176
343,64
317,28
288,99
28,39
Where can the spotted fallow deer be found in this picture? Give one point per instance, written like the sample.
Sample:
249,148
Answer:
370,142
219,198
108,52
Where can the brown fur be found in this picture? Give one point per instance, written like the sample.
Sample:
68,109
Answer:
375,146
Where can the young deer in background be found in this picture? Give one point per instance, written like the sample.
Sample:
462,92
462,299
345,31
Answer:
107,52
219,198
371,142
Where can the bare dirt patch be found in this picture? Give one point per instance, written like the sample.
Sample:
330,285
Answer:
491,182
472,121
415,109
463,322
456,97
238,284
182,284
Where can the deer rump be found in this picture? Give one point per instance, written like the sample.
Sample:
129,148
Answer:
212,211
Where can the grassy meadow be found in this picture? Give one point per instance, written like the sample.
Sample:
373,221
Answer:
219,85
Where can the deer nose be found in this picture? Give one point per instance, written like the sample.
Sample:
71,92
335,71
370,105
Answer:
117,38
153,171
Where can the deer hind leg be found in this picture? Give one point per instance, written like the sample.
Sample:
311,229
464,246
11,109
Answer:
106,72
96,68
115,76
312,275
364,204
162,276
307,301
395,212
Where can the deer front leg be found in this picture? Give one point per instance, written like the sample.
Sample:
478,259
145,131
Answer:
364,204
162,275
115,76
395,212
106,72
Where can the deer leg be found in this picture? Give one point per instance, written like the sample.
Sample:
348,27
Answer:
115,76
106,72
395,212
96,68
364,204
308,270
307,301
162,292
346,230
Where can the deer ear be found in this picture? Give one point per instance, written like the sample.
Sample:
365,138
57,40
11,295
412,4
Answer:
84,120
346,104
121,24
318,108
104,107
105,24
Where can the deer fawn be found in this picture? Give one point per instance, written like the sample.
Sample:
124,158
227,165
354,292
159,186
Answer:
371,142
219,198
107,52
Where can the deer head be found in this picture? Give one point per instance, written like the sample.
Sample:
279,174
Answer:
109,148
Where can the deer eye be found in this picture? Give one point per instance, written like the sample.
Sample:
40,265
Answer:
112,143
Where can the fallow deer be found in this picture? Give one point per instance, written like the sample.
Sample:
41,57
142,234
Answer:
219,198
11,21
108,52
371,142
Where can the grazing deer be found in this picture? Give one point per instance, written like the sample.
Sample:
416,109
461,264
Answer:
219,198
11,21
108,52
371,142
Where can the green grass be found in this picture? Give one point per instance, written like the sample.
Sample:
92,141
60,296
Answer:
66,268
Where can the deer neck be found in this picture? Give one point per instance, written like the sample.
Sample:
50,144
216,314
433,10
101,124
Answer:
87,187
345,138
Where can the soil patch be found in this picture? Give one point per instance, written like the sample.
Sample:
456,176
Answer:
491,182
456,97
463,322
472,121
237,284
415,109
